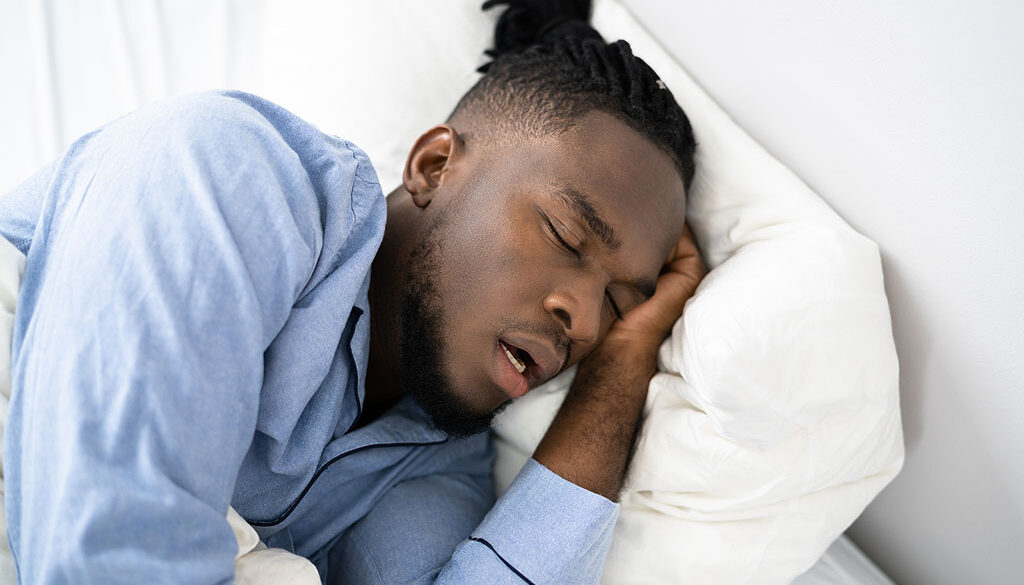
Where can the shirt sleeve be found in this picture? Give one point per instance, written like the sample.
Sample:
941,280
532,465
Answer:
168,252
544,530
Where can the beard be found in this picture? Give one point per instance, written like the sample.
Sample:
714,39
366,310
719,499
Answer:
422,345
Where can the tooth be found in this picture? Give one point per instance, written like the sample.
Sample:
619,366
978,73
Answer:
520,366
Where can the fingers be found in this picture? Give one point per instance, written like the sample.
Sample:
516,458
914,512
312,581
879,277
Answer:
674,288
686,255
678,281
684,271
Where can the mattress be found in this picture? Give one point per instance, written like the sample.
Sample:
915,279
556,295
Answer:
843,564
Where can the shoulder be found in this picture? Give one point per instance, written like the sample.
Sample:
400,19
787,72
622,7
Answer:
206,106
232,140
218,123
256,167
245,128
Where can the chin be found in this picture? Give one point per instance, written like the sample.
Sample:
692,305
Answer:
450,414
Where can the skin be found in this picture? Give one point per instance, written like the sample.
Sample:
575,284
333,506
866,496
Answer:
517,261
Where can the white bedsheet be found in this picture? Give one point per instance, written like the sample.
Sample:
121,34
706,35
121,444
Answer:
843,564
12,266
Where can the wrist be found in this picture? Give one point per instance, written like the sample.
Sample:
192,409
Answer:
627,356
631,344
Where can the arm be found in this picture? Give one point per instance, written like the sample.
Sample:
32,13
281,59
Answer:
166,256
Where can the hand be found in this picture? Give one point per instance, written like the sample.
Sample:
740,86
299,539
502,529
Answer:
646,325
590,439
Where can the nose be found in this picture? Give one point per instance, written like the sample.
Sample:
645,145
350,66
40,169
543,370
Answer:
577,306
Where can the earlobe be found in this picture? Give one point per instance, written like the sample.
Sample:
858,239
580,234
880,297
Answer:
429,160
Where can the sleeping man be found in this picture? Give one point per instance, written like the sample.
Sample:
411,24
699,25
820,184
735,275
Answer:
220,308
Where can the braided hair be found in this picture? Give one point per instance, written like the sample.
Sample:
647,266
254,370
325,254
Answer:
550,68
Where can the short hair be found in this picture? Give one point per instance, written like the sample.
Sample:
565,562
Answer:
550,68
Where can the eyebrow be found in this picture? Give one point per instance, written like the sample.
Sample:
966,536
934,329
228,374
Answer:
580,205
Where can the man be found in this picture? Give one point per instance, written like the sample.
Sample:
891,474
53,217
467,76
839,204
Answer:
217,311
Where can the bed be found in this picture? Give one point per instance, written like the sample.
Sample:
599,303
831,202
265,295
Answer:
79,65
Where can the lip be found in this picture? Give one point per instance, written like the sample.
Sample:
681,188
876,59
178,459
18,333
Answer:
547,361
508,378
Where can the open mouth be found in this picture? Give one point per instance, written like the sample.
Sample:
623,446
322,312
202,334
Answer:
518,357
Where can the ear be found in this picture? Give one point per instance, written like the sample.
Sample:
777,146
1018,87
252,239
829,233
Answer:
431,157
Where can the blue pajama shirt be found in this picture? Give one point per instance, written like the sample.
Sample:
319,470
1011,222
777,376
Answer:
192,333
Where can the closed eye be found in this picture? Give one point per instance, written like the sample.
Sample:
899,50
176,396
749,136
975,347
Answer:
615,307
557,236
575,252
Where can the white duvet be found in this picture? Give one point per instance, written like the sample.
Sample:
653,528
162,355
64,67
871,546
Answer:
775,419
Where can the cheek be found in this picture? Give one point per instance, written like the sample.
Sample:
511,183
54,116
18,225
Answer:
487,269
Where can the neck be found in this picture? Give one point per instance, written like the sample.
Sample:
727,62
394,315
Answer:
387,279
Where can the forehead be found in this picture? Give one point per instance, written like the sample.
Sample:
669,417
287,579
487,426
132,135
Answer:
620,174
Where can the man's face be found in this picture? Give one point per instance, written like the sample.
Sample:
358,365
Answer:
533,250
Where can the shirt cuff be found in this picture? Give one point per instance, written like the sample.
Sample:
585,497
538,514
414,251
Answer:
549,530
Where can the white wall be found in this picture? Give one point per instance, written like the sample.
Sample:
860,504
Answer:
907,117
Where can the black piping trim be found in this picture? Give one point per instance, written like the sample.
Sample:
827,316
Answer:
502,559
355,373
295,503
